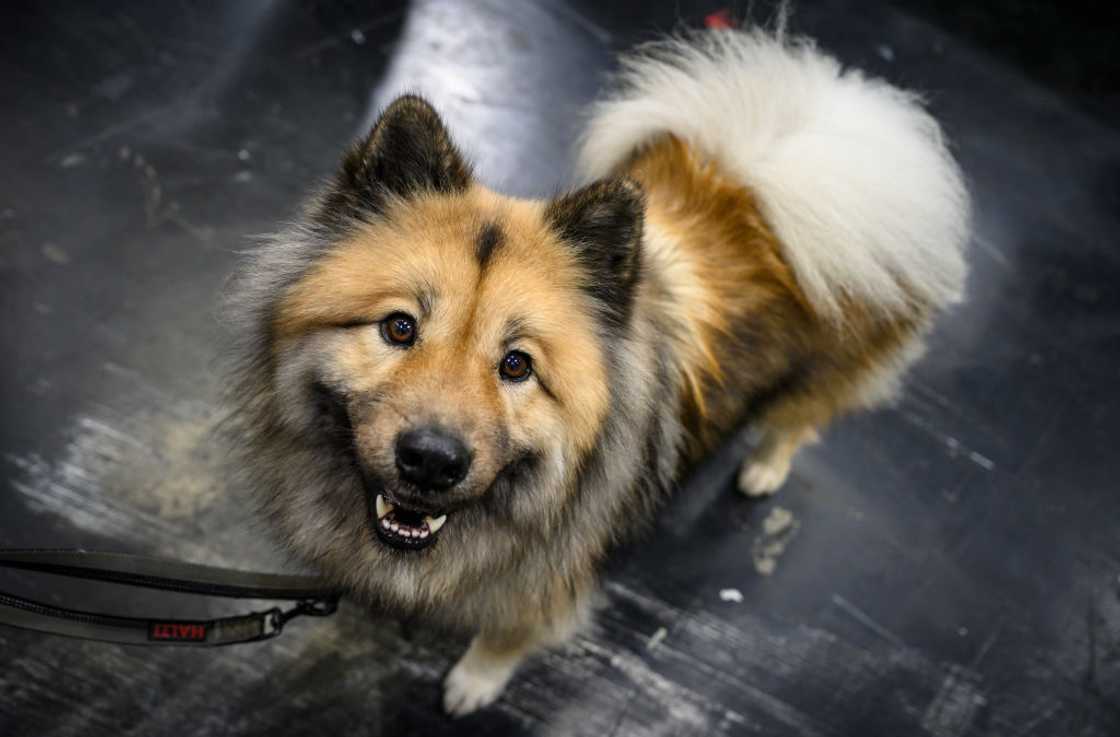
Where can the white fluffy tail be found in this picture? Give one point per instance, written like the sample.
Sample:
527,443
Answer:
852,173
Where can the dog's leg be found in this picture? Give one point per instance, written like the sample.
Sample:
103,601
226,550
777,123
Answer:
767,467
485,669
795,419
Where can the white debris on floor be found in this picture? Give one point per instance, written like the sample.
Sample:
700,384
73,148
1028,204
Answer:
656,638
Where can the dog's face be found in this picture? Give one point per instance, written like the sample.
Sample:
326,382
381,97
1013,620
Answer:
450,348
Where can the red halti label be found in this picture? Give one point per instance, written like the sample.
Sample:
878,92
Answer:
177,631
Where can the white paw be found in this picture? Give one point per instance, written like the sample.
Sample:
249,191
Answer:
469,687
759,478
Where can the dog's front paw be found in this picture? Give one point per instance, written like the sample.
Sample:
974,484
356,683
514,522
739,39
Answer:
759,478
472,685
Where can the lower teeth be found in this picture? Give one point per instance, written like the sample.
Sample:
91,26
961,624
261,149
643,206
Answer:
428,527
405,530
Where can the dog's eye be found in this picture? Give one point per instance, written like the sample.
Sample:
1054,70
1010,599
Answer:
516,366
399,329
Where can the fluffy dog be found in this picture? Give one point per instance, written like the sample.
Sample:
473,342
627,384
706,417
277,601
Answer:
455,403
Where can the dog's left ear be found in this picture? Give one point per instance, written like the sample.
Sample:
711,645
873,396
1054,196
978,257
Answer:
603,223
407,152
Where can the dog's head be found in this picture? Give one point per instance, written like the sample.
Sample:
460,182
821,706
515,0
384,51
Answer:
444,349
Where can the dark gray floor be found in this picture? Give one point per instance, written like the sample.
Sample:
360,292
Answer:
955,564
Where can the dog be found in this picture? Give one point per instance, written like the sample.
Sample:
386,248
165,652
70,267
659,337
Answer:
455,403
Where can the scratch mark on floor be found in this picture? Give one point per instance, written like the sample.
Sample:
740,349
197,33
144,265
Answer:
599,33
863,618
739,651
988,644
992,250
1032,724
954,708
69,162
983,461
955,447
112,130
687,708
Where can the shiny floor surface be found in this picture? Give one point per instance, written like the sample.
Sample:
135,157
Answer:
952,566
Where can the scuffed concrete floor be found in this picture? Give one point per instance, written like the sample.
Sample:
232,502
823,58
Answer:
950,566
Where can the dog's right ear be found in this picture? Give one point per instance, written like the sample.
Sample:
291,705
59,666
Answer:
408,151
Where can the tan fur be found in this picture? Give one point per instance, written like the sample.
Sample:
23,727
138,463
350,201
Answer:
428,245
751,330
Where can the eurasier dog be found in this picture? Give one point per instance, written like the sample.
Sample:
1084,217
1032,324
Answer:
455,403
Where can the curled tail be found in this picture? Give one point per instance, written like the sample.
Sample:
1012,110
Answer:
852,173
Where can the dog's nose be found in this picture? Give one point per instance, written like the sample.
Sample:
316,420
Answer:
431,458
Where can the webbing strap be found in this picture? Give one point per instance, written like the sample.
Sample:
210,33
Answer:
315,598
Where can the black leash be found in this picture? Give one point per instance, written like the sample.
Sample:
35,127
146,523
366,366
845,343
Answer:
314,598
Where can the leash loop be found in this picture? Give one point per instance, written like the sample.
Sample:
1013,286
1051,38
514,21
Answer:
305,608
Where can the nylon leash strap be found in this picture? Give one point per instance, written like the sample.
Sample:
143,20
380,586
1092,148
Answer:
312,596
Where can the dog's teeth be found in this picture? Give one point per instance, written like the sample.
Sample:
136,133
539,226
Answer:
423,534
395,527
383,507
435,524
385,523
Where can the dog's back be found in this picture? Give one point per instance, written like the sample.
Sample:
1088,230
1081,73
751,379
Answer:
807,222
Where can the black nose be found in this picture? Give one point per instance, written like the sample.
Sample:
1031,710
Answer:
431,458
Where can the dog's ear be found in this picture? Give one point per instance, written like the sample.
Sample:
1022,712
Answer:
602,223
408,151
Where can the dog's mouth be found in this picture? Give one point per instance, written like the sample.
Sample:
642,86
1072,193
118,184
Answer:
405,529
